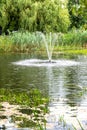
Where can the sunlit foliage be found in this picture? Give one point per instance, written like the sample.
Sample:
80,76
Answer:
78,13
36,15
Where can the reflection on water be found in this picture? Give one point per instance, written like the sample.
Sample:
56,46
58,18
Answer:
63,84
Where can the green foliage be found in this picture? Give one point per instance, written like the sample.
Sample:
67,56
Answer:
43,15
33,42
32,98
78,13
10,14
74,38
28,16
31,104
51,16
5,44
36,15
25,41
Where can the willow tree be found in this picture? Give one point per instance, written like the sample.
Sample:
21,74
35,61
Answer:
53,16
34,15
3,16
78,13
10,15
18,14
28,16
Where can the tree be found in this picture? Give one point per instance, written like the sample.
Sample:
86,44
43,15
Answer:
78,12
10,12
35,15
28,16
53,16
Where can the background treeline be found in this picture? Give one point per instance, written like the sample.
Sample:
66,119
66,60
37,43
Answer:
43,15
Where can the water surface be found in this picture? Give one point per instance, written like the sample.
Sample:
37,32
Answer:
63,84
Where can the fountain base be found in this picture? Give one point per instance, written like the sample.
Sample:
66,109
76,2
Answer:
45,63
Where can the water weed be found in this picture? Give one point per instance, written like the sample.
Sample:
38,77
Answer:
32,106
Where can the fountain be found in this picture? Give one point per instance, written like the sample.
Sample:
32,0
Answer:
49,41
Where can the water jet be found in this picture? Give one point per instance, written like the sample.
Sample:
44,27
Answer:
49,41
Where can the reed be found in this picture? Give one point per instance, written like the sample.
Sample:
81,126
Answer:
24,41
73,38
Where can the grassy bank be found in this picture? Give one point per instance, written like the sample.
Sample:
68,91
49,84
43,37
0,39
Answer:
26,42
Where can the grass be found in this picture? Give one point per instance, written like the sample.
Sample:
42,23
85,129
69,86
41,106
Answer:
63,123
72,50
79,125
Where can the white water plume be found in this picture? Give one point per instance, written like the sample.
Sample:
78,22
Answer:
49,41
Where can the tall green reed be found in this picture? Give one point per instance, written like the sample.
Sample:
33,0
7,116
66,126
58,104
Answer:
74,38
24,41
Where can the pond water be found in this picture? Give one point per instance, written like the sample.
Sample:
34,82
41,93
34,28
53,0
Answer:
64,84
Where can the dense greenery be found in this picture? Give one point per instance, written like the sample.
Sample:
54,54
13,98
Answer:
78,13
31,103
23,18
33,42
33,98
36,15
43,15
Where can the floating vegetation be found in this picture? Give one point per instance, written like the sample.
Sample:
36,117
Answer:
28,108
30,98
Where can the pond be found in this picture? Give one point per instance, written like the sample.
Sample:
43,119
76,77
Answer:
65,85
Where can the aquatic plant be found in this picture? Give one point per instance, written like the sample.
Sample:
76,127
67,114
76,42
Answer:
79,125
32,104
74,38
24,41
31,98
